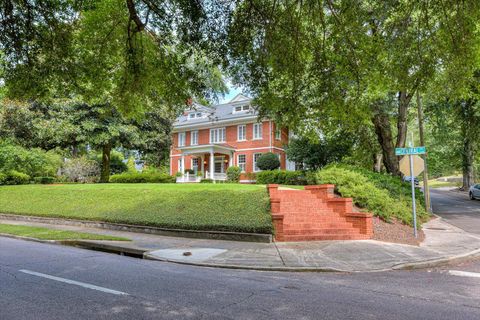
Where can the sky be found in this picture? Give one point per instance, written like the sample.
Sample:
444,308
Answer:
231,94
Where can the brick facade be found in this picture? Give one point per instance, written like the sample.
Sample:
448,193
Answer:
316,214
249,147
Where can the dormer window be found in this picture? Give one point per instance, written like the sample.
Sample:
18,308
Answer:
244,108
195,115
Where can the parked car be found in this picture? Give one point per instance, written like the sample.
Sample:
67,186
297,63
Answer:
474,192
409,179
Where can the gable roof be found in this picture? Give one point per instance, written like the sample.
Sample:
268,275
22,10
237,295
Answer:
217,113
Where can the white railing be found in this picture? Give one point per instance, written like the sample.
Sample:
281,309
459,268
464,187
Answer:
189,177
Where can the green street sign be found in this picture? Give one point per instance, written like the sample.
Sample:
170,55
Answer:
407,151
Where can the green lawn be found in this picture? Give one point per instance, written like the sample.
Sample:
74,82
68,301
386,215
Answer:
52,234
221,207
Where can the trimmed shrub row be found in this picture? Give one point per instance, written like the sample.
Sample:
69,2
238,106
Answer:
13,177
282,177
137,177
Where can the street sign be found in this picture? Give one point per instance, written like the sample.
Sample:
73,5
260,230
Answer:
418,165
412,150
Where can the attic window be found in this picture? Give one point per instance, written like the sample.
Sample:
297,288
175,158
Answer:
195,115
241,108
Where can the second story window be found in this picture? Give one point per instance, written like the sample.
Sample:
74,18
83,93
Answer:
181,139
194,138
217,135
242,132
257,131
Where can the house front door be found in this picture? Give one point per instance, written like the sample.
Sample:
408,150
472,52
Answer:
219,168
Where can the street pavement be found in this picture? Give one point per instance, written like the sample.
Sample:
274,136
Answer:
457,209
44,281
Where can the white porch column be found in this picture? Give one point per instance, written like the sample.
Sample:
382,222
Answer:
212,164
202,158
230,162
183,164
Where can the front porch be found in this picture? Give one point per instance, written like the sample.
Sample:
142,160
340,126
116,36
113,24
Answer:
205,162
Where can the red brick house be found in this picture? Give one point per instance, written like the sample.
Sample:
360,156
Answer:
209,139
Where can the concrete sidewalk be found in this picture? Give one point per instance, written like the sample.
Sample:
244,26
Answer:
443,243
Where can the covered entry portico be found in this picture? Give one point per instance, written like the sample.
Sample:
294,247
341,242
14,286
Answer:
210,160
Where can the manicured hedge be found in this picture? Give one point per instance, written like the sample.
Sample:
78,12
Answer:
138,177
282,177
44,180
233,174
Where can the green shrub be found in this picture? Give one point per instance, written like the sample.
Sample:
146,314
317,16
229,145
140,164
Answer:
44,180
189,171
14,177
33,162
233,174
282,177
268,161
3,178
128,177
375,193
117,161
206,181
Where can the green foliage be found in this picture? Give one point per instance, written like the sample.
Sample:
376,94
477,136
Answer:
117,162
131,165
282,177
215,207
206,181
44,180
13,177
33,162
189,171
142,177
233,174
3,178
316,153
384,195
268,161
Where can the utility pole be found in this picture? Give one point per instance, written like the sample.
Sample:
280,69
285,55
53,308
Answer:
426,189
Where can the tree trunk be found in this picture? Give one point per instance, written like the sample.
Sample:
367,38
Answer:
105,174
467,163
383,130
403,102
74,150
377,162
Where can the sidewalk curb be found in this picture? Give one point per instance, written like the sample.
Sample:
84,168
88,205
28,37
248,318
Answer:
183,233
147,256
84,244
436,262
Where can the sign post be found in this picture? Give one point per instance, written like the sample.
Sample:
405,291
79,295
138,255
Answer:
412,172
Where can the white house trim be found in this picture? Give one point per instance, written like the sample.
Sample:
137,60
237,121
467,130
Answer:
259,148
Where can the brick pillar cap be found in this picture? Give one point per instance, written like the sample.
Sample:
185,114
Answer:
272,185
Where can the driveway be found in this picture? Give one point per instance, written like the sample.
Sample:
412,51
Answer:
457,209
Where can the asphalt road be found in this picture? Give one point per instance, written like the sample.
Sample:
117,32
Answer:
43,281
457,209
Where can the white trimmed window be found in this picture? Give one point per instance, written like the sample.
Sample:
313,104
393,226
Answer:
217,135
195,115
194,138
241,132
195,165
257,131
278,134
255,159
181,139
244,108
242,161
